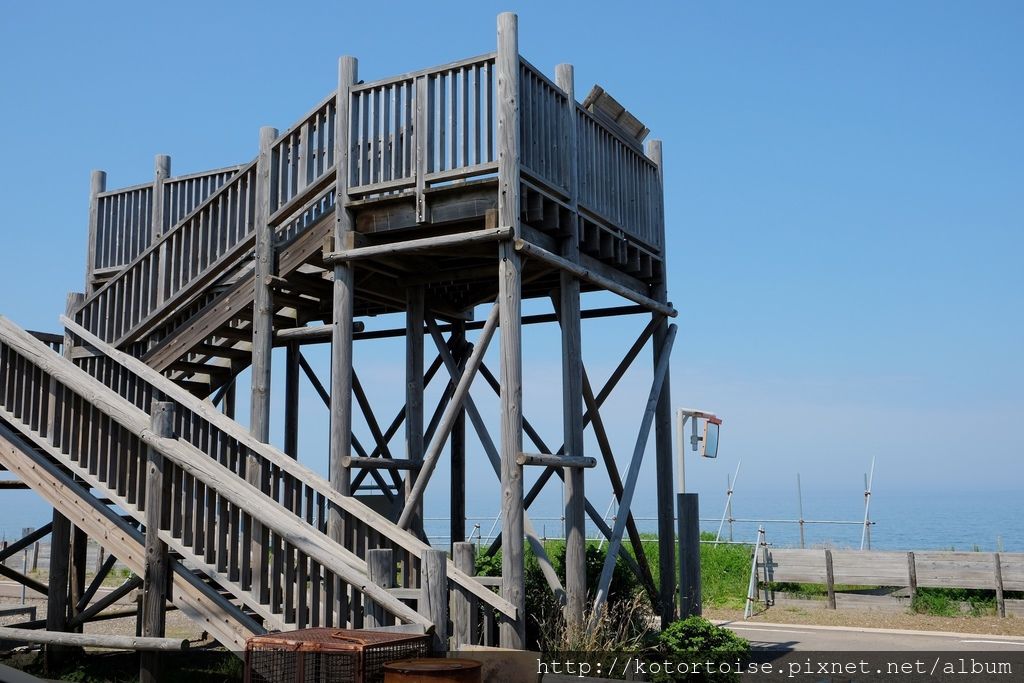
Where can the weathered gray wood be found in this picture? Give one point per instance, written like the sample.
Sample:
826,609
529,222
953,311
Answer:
633,474
343,304
381,463
414,313
433,600
79,545
380,568
156,577
689,556
830,580
565,461
447,421
663,423
583,273
459,239
512,634
458,449
1000,601
572,371
291,398
97,184
464,607
92,640
912,575
262,344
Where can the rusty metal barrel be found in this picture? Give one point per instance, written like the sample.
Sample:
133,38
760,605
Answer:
432,671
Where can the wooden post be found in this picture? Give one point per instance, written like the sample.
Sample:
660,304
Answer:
157,572
458,448
262,348
1000,602
414,394
464,605
380,568
433,603
512,634
79,547
572,379
689,555
343,306
912,576
291,399
161,172
663,424
97,184
830,580
57,593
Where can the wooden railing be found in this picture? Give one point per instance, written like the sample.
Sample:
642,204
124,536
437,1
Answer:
212,517
543,137
183,194
124,225
618,183
124,217
423,128
304,493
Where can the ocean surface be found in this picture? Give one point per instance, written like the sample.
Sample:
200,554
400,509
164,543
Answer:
986,521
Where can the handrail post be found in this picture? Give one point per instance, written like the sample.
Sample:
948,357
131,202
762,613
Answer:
512,633
157,573
97,184
161,172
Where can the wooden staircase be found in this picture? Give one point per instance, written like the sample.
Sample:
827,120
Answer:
246,523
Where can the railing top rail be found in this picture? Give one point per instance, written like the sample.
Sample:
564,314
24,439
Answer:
479,59
203,174
542,76
324,101
278,458
125,190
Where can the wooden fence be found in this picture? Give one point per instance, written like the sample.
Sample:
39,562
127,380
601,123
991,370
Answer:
917,569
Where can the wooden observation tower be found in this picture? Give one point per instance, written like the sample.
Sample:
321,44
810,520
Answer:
448,195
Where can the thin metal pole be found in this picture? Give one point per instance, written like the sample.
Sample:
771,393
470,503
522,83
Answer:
867,506
728,501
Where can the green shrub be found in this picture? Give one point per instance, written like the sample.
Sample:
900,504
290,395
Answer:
697,639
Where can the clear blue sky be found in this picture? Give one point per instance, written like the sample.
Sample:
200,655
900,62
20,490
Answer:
843,187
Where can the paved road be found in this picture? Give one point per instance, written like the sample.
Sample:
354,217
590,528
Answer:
845,639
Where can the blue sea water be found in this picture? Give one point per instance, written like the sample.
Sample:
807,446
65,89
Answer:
964,520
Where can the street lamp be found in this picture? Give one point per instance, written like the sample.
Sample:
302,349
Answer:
688,508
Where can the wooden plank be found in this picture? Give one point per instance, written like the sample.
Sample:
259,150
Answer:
547,460
381,571
113,642
459,239
156,573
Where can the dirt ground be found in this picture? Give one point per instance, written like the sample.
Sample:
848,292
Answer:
1009,626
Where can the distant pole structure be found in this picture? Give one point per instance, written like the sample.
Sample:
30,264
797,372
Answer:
800,509
865,536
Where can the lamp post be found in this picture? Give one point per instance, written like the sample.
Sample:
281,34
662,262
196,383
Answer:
687,506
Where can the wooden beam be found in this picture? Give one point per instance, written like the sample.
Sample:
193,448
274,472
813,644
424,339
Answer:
547,460
457,467
25,541
633,474
460,239
97,184
382,463
380,570
463,606
93,640
433,601
593,278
